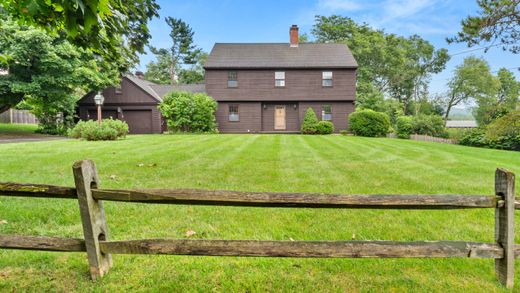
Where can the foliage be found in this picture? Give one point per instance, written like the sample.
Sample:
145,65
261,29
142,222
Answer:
404,126
115,30
189,112
324,127
343,132
496,21
369,123
310,122
392,65
49,74
91,130
471,80
159,71
432,125
492,106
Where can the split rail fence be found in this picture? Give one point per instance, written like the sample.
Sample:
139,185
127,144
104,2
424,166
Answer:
99,248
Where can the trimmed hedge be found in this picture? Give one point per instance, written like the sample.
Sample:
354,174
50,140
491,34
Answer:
91,130
369,123
189,112
324,127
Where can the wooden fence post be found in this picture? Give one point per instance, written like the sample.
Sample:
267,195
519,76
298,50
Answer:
92,217
504,226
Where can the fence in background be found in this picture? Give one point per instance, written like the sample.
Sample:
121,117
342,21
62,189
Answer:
18,116
99,248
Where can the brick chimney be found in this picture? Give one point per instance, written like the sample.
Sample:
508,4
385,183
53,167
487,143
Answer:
293,33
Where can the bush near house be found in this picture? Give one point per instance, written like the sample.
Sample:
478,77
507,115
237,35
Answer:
91,130
310,122
369,123
324,127
189,112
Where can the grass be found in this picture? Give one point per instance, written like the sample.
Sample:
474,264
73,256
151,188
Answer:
16,130
331,164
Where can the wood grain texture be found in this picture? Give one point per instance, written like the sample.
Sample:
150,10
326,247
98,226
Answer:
36,190
351,249
42,243
295,200
92,217
504,226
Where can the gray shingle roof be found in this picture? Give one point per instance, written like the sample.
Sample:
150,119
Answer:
159,90
163,89
461,124
280,55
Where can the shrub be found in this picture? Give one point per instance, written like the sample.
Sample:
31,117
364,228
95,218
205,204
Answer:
310,122
404,126
189,112
91,130
369,123
343,132
324,127
432,125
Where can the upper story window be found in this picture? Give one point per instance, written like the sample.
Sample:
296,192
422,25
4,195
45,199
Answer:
326,112
326,78
119,90
279,78
232,80
233,113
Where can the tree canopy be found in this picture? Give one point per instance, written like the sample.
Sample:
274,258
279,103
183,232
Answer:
389,65
48,72
115,30
497,21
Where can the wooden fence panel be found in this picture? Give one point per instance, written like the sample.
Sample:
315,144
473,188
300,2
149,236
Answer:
18,116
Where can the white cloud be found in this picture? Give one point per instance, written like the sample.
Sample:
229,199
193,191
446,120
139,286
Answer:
403,8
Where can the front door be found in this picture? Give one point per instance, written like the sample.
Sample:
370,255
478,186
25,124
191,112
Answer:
279,118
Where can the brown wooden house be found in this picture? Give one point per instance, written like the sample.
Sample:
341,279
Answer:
134,101
259,88
263,87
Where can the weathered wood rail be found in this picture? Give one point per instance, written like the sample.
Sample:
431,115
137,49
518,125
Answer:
99,248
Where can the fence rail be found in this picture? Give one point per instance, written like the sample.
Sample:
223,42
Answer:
18,116
99,248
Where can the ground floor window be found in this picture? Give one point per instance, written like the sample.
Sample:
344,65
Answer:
233,113
326,112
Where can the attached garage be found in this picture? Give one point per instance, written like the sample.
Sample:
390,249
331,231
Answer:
139,121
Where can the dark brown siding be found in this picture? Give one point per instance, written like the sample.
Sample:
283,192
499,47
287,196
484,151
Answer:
143,115
340,112
292,122
250,117
300,85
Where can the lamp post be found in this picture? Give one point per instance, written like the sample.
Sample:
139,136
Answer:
99,99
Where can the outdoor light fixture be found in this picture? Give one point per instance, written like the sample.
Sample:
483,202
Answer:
294,106
99,100
265,106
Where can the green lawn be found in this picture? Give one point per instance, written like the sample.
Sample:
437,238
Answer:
16,130
331,164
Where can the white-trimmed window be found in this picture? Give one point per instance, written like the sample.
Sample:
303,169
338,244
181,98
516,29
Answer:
326,79
326,112
233,113
232,79
279,79
119,90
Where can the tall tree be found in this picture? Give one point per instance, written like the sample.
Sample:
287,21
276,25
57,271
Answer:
159,71
182,50
497,20
49,73
472,80
116,30
395,66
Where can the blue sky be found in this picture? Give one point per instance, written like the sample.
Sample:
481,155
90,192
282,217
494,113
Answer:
269,21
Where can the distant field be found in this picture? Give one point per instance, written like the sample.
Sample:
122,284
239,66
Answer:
289,163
